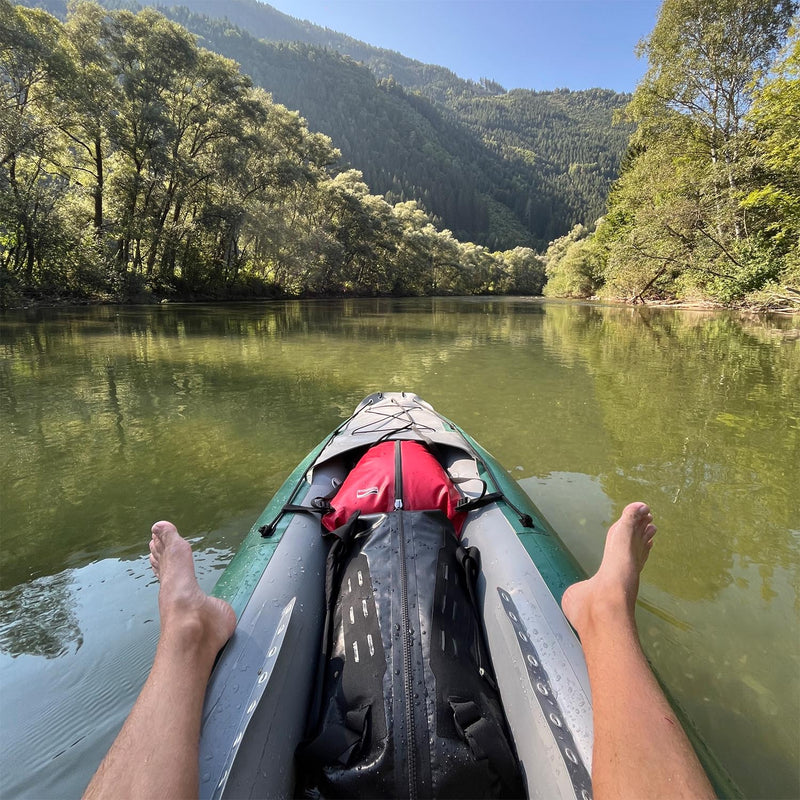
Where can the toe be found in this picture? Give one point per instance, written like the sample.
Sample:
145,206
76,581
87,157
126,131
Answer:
162,528
636,510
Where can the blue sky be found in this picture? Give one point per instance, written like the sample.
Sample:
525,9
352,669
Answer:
531,44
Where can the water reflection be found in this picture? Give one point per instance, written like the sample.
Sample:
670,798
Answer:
691,405
75,649
731,662
113,417
38,618
111,411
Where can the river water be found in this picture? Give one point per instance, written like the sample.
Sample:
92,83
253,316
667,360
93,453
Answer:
114,417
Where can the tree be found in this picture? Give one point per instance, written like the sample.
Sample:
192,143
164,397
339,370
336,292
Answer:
572,265
706,58
151,57
774,204
523,272
135,161
678,223
88,101
32,63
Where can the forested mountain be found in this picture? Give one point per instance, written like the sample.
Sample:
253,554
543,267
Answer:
133,161
265,22
404,145
561,150
496,168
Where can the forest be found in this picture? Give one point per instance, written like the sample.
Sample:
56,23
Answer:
498,169
707,205
148,156
137,164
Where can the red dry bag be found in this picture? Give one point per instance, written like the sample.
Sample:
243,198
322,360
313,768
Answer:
394,475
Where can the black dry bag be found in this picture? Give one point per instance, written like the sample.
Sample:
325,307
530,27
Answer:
406,706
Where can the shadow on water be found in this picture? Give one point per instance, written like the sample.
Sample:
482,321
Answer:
113,417
64,698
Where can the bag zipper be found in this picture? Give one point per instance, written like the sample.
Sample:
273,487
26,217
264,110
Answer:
398,476
404,619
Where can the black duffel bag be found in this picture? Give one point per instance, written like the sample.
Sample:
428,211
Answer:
406,705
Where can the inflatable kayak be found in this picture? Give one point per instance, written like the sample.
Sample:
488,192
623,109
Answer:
266,689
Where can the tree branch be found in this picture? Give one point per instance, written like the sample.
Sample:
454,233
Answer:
721,247
640,295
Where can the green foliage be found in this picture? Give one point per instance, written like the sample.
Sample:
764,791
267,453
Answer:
135,162
562,148
500,169
773,202
574,265
493,168
524,272
707,203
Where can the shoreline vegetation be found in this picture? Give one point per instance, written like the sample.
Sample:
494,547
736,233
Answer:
708,200
697,304
135,162
139,167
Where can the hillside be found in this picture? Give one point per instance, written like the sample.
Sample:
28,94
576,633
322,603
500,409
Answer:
265,22
497,168
135,164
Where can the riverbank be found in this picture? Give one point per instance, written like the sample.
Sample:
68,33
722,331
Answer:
777,304
791,305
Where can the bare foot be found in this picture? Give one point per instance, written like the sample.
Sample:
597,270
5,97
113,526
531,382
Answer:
613,588
186,611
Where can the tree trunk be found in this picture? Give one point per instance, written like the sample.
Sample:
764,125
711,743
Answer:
98,189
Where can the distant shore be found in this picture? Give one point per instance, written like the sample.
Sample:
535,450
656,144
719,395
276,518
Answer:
25,303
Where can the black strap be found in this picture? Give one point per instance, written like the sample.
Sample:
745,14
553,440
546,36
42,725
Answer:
341,539
526,520
467,504
268,529
471,503
469,559
319,505
484,741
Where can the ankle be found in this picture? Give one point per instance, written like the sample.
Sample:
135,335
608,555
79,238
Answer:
594,607
611,629
611,606
186,631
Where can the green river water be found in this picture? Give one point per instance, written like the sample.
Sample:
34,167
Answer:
114,417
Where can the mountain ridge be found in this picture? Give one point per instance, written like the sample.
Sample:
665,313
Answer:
264,21
499,168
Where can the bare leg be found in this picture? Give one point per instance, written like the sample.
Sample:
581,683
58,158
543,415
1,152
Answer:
155,754
640,749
